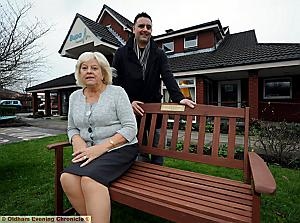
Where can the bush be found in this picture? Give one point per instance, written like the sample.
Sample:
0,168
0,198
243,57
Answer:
280,141
195,126
207,150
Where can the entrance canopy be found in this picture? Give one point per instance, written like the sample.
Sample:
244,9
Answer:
87,35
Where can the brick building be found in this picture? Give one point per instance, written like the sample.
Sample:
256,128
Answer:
211,65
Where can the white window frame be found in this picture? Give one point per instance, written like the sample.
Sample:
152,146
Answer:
185,86
188,85
278,97
173,46
192,46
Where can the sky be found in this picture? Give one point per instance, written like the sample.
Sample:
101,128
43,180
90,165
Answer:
274,21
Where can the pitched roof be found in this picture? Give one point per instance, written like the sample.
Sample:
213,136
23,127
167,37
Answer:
102,32
6,93
125,22
235,50
66,80
202,25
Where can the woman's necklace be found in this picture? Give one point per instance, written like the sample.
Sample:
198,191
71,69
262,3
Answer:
89,111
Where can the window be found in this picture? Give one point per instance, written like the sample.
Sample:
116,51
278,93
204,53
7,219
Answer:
229,93
168,47
187,87
278,88
190,41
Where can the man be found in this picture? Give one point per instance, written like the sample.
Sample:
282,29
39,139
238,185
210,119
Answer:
140,66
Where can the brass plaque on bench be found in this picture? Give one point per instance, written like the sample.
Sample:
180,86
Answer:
172,107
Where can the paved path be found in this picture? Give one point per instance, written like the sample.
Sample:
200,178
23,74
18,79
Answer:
38,128
15,134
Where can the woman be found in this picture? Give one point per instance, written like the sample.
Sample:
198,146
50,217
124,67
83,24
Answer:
102,129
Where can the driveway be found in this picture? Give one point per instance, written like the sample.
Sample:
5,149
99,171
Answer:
41,127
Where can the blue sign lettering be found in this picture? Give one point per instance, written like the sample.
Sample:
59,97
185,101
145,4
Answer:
75,37
79,37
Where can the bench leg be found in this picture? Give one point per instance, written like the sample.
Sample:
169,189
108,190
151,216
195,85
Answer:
256,208
58,187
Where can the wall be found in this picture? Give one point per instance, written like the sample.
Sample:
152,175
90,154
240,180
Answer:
205,40
281,109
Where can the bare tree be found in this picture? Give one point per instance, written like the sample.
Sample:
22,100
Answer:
20,54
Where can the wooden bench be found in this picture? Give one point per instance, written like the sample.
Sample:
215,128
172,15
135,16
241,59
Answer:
185,196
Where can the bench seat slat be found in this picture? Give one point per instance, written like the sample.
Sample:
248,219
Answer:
161,209
198,184
167,170
181,203
189,196
195,187
201,191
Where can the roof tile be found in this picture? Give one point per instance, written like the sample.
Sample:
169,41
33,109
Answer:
236,49
100,30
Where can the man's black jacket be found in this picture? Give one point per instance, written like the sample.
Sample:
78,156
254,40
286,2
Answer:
130,74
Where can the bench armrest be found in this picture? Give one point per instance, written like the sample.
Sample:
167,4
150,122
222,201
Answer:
58,145
263,179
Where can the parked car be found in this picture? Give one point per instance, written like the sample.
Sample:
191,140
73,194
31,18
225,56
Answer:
11,103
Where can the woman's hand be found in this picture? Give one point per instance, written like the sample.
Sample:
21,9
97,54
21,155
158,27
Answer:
78,143
88,154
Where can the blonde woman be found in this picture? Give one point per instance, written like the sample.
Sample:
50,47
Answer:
102,129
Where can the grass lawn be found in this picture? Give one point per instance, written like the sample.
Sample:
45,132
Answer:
27,174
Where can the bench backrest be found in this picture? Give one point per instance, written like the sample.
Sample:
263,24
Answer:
205,134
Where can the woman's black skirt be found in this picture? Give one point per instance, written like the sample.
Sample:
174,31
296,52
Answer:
108,167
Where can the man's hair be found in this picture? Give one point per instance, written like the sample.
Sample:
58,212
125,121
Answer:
142,14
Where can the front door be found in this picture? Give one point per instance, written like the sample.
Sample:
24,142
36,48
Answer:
229,93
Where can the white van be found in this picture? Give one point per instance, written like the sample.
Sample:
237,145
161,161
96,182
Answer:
12,103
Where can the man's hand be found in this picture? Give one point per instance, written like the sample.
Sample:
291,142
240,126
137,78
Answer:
137,108
188,102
